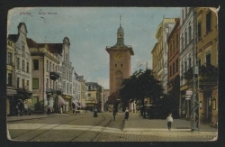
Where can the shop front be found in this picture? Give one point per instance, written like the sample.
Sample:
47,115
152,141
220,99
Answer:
21,96
11,101
68,99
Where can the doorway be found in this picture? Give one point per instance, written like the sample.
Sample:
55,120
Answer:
208,106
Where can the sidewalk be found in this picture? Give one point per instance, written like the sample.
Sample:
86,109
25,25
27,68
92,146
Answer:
137,123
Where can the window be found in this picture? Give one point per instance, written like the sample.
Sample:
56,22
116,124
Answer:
9,59
23,51
182,70
173,46
89,95
177,65
199,30
47,66
53,67
177,41
47,84
23,65
189,62
51,84
17,82
185,65
170,71
185,37
208,22
56,86
23,83
199,62
27,84
208,59
27,67
18,63
182,41
35,83
9,79
173,68
189,32
115,65
35,64
50,66
121,65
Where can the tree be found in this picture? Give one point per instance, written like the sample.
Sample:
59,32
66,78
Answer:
140,85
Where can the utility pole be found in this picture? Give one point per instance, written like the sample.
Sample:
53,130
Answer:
195,119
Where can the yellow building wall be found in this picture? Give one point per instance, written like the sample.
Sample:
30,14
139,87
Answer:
208,44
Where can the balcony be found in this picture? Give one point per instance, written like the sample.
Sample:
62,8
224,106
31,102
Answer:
23,93
51,91
54,75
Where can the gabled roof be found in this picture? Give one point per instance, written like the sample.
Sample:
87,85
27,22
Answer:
52,47
22,23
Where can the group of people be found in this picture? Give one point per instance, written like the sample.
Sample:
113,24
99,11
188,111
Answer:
20,108
126,116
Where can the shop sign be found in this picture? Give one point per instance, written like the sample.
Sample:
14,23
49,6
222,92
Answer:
11,92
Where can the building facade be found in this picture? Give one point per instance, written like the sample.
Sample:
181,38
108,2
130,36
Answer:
45,58
76,91
119,66
11,84
163,30
23,72
83,92
157,62
94,96
105,99
173,66
67,72
187,45
207,30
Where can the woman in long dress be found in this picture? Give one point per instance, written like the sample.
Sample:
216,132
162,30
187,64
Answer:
126,114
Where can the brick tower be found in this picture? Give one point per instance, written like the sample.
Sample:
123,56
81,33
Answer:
120,61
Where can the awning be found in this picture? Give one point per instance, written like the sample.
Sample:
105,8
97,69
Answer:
76,104
61,101
83,104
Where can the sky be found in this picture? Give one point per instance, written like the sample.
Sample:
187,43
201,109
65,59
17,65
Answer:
90,30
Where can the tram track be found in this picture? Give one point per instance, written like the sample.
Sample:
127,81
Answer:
39,128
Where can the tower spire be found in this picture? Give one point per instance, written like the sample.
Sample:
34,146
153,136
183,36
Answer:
120,19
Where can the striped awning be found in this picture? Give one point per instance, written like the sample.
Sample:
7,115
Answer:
76,104
61,101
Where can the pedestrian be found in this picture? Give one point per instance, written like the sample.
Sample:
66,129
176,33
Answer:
95,112
126,114
114,114
73,108
48,110
169,121
18,108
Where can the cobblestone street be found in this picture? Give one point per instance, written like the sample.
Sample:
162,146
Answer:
84,127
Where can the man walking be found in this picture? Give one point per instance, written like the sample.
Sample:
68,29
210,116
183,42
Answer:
114,114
